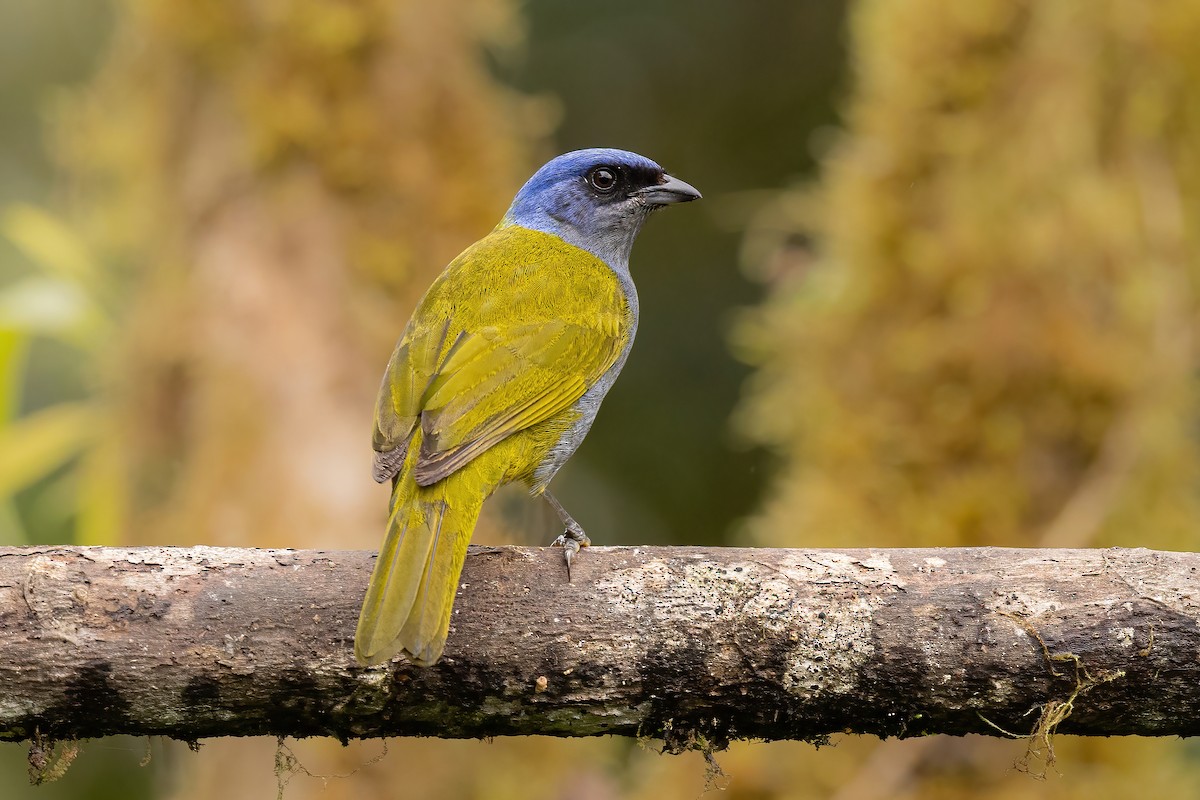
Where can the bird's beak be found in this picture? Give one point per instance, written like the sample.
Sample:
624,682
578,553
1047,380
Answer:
671,190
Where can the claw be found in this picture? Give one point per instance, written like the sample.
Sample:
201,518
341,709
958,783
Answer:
570,542
570,548
571,539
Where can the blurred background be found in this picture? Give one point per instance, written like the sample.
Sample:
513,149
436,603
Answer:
942,290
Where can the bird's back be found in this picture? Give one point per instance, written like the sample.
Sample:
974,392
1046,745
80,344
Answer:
516,280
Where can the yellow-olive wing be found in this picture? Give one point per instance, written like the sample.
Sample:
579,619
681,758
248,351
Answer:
512,333
497,381
398,409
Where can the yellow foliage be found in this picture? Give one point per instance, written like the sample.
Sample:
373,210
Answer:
996,344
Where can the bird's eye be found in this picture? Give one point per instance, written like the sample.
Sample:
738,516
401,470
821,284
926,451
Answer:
602,179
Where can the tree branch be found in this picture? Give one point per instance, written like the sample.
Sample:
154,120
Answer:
695,645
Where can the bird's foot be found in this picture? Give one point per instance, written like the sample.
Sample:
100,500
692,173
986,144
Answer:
571,540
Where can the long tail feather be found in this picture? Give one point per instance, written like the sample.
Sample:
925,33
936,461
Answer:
424,633
409,599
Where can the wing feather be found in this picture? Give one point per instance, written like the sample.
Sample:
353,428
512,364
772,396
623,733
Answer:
470,375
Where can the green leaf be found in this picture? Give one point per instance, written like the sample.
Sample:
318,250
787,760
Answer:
102,494
33,446
12,529
51,245
14,349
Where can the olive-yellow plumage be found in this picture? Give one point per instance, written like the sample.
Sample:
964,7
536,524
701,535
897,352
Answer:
497,378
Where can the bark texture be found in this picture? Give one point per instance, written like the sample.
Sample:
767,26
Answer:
697,646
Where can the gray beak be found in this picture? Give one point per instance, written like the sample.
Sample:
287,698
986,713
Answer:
671,190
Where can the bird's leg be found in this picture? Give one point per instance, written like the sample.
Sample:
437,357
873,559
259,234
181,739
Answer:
572,538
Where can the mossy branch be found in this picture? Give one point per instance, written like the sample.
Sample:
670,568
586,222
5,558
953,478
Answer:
691,645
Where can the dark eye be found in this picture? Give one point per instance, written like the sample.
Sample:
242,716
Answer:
603,179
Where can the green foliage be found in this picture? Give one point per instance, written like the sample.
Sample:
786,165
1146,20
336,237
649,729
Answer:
54,249
33,446
62,299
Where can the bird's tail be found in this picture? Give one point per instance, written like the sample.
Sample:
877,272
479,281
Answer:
409,598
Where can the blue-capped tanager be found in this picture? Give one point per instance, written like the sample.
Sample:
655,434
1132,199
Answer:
498,377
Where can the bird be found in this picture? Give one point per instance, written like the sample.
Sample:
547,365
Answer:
497,378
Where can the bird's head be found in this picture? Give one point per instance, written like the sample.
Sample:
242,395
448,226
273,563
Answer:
597,200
